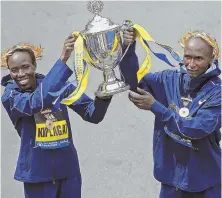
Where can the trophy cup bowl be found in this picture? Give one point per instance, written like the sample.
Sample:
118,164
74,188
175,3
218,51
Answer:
103,43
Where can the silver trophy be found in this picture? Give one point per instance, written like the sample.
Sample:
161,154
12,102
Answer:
103,43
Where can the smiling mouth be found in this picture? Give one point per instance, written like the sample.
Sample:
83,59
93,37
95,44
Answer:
23,82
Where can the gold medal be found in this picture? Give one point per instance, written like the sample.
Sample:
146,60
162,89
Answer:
49,124
184,112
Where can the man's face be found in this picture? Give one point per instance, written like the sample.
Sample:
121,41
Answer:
22,70
198,56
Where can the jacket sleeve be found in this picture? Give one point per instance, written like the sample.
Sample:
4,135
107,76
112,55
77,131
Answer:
91,110
206,121
18,104
129,67
153,83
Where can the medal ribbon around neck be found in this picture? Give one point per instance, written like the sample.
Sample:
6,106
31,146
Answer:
184,111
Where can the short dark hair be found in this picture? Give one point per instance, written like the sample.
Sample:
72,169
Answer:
19,49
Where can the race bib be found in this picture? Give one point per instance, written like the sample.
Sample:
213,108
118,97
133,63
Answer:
51,130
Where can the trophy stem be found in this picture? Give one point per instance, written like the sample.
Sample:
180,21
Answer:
111,84
109,75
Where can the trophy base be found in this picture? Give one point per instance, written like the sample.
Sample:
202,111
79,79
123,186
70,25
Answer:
107,89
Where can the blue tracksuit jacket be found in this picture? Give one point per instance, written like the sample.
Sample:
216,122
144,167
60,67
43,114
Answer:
192,165
34,163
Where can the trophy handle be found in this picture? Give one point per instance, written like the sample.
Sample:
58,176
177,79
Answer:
126,25
127,48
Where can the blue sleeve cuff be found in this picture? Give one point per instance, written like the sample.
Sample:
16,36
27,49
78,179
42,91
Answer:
62,64
103,101
131,48
158,109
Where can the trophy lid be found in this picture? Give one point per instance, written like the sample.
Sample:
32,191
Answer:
98,23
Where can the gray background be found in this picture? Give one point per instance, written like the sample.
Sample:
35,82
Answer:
116,155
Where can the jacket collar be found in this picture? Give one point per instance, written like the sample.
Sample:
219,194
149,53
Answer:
7,80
